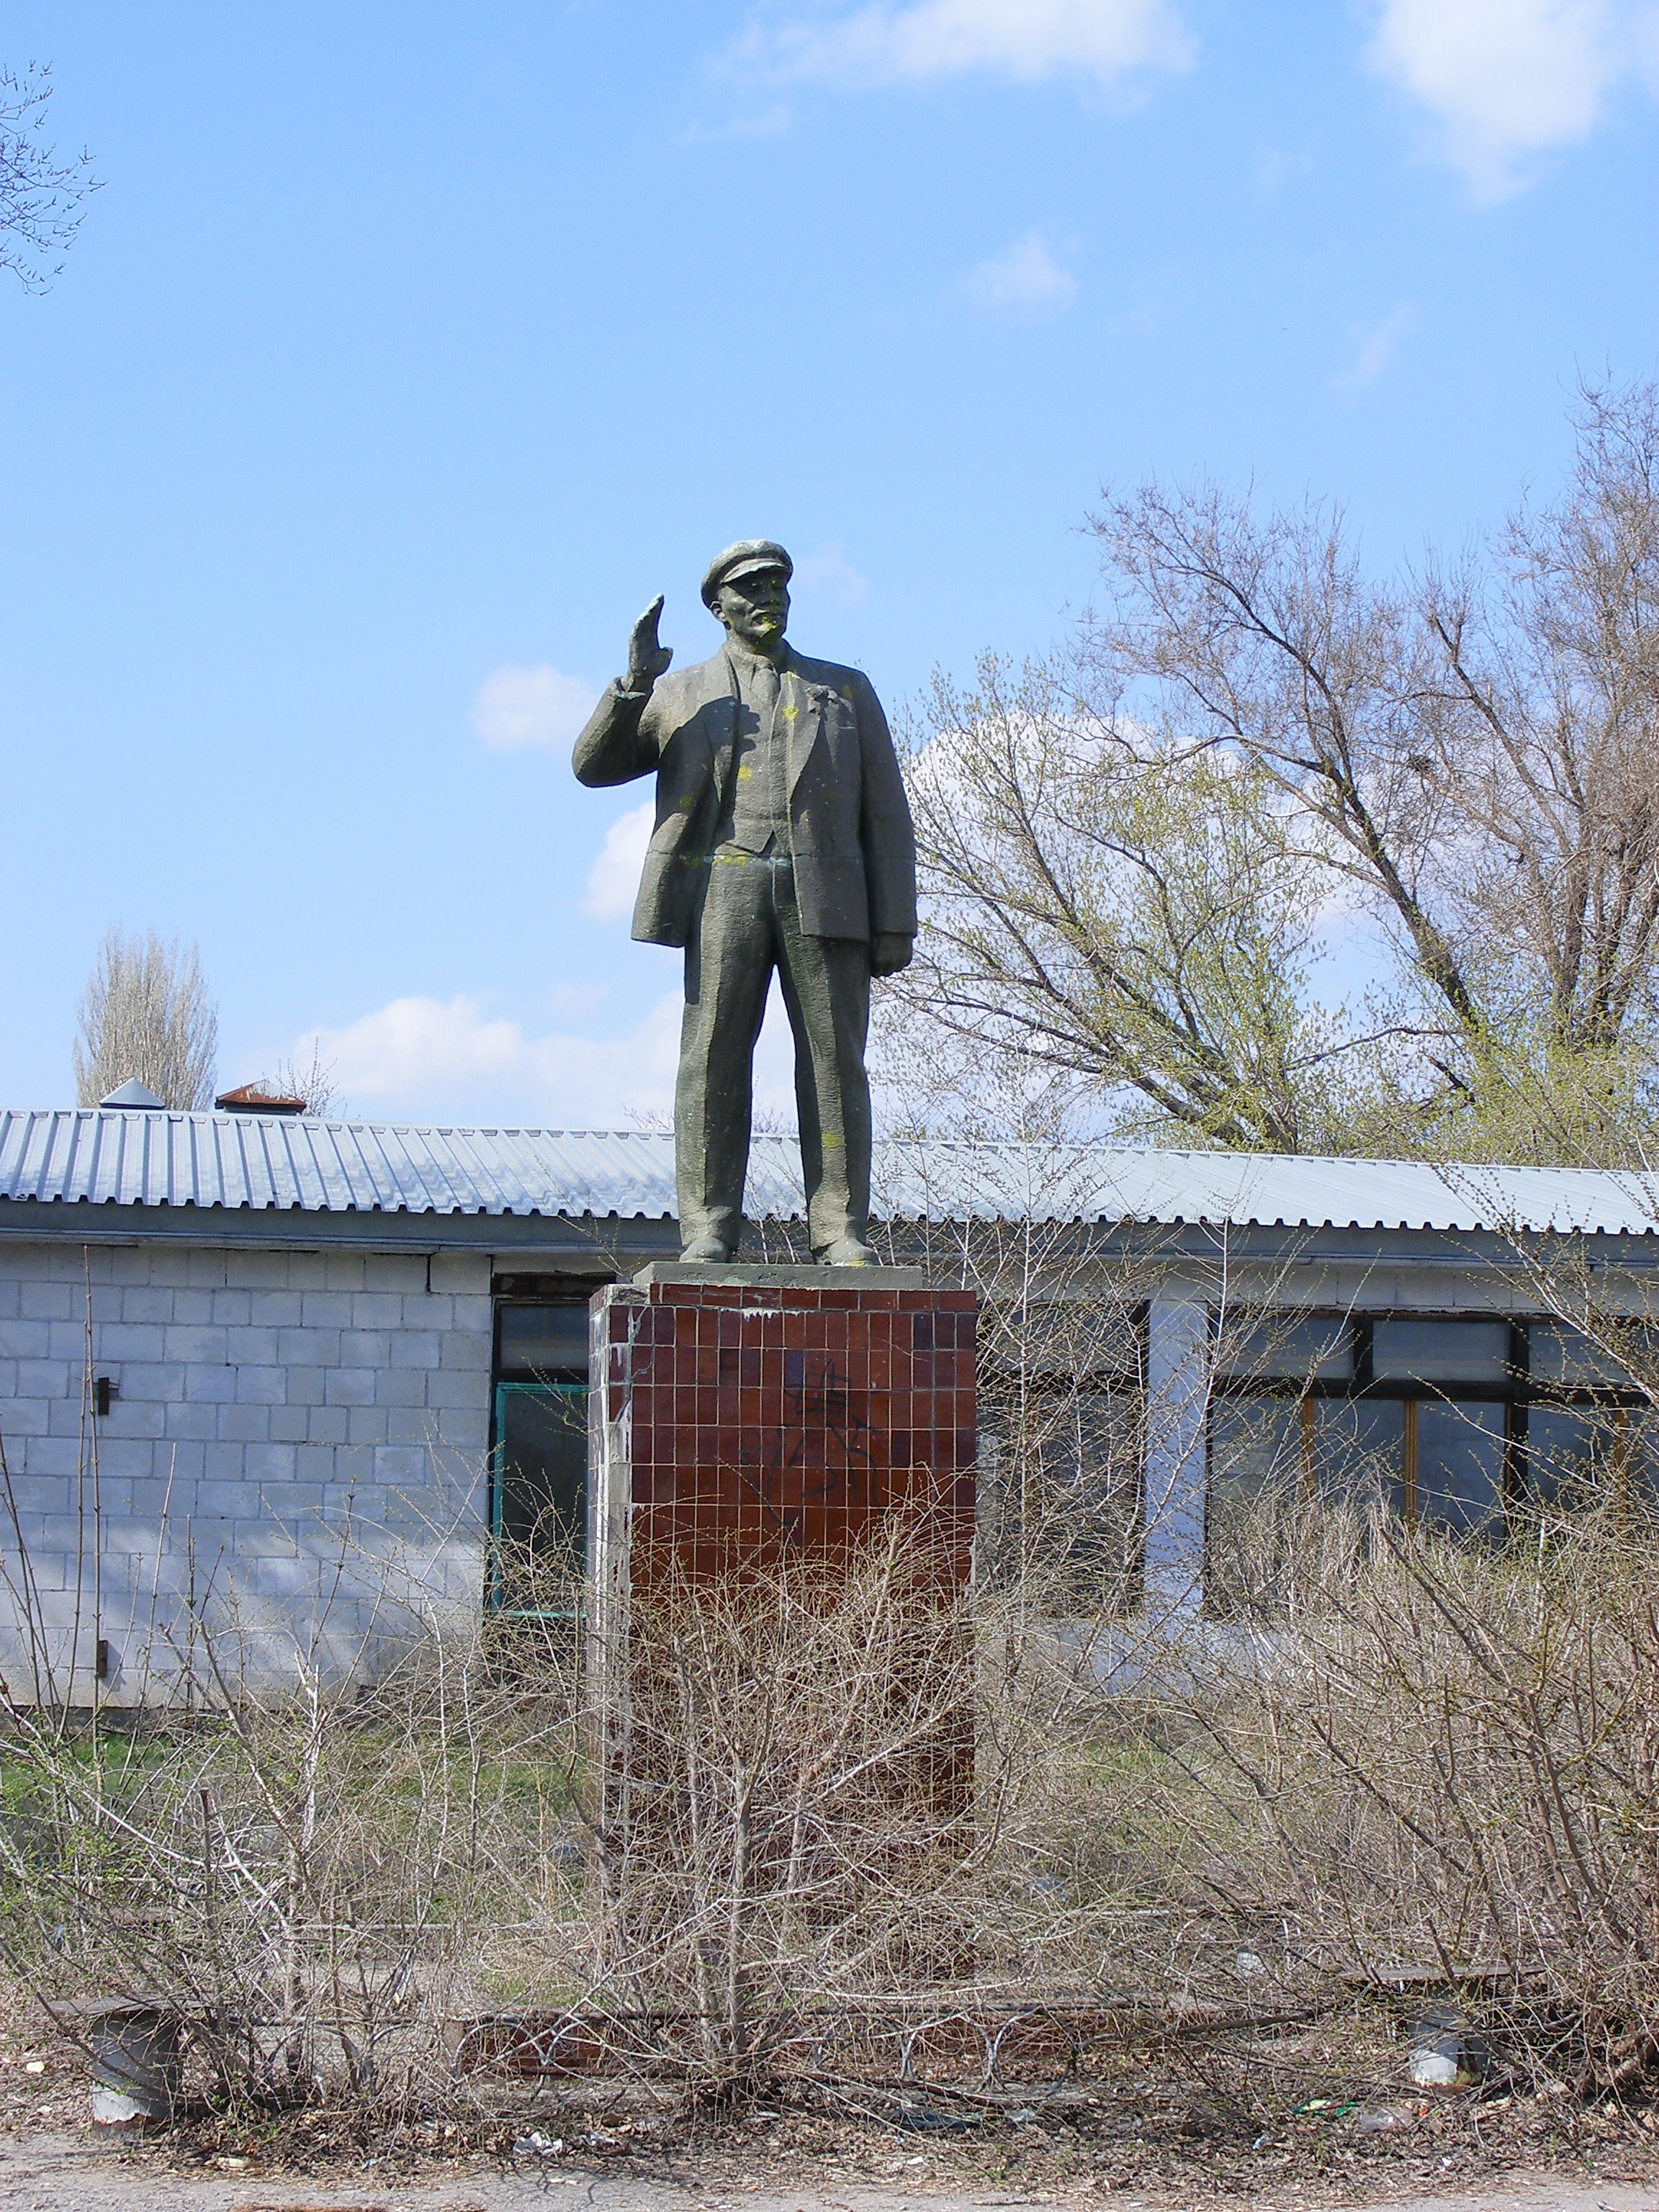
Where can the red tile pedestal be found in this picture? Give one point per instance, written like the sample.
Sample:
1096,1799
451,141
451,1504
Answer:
744,1418
739,1416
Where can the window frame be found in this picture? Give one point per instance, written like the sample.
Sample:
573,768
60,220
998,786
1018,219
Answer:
565,1381
1008,1386
1518,1392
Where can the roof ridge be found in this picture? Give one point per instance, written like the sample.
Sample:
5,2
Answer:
334,1165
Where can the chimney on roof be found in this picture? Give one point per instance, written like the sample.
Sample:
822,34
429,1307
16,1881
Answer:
134,1095
250,1099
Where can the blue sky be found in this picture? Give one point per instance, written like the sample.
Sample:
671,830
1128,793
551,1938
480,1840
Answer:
408,350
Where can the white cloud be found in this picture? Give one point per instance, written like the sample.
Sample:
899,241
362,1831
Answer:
1026,40
829,574
614,877
1375,345
424,1059
420,1057
1505,81
1024,277
421,1047
518,708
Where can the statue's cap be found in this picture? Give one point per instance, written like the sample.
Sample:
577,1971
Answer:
742,560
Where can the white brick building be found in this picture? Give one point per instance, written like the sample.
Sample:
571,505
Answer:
250,1401
249,1378
289,1376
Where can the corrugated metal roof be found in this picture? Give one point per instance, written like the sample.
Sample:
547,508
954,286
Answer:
1092,1182
102,1157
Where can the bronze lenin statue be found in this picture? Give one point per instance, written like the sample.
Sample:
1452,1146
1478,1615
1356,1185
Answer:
782,840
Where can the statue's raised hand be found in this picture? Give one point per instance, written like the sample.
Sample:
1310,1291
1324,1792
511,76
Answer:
647,659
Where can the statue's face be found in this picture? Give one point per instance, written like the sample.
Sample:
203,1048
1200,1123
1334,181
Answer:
754,608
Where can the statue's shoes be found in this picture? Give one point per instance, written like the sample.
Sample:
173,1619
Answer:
847,1252
706,1252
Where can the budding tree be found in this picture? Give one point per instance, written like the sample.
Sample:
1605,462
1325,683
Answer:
42,199
147,1013
1143,914
314,1080
1130,858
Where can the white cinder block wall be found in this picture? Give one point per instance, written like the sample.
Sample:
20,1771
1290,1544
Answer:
294,1459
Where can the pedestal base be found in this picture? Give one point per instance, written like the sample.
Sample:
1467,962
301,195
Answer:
779,1664
739,1416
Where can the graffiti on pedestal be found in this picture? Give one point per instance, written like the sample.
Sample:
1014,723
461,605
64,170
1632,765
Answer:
816,1449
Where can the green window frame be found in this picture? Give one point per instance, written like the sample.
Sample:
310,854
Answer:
514,1521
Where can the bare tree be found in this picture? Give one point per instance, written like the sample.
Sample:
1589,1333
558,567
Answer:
42,199
147,1013
1140,912
1543,730
1264,640
314,1080
1129,858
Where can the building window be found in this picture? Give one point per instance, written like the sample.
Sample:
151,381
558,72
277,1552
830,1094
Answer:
1445,1422
1062,1454
1590,1427
1481,1353
538,1463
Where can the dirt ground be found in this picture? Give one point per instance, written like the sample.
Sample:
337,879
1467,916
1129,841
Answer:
1150,2139
49,2172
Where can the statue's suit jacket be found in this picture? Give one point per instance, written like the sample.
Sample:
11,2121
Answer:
850,822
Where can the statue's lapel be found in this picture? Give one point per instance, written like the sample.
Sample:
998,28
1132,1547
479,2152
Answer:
723,729
801,705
